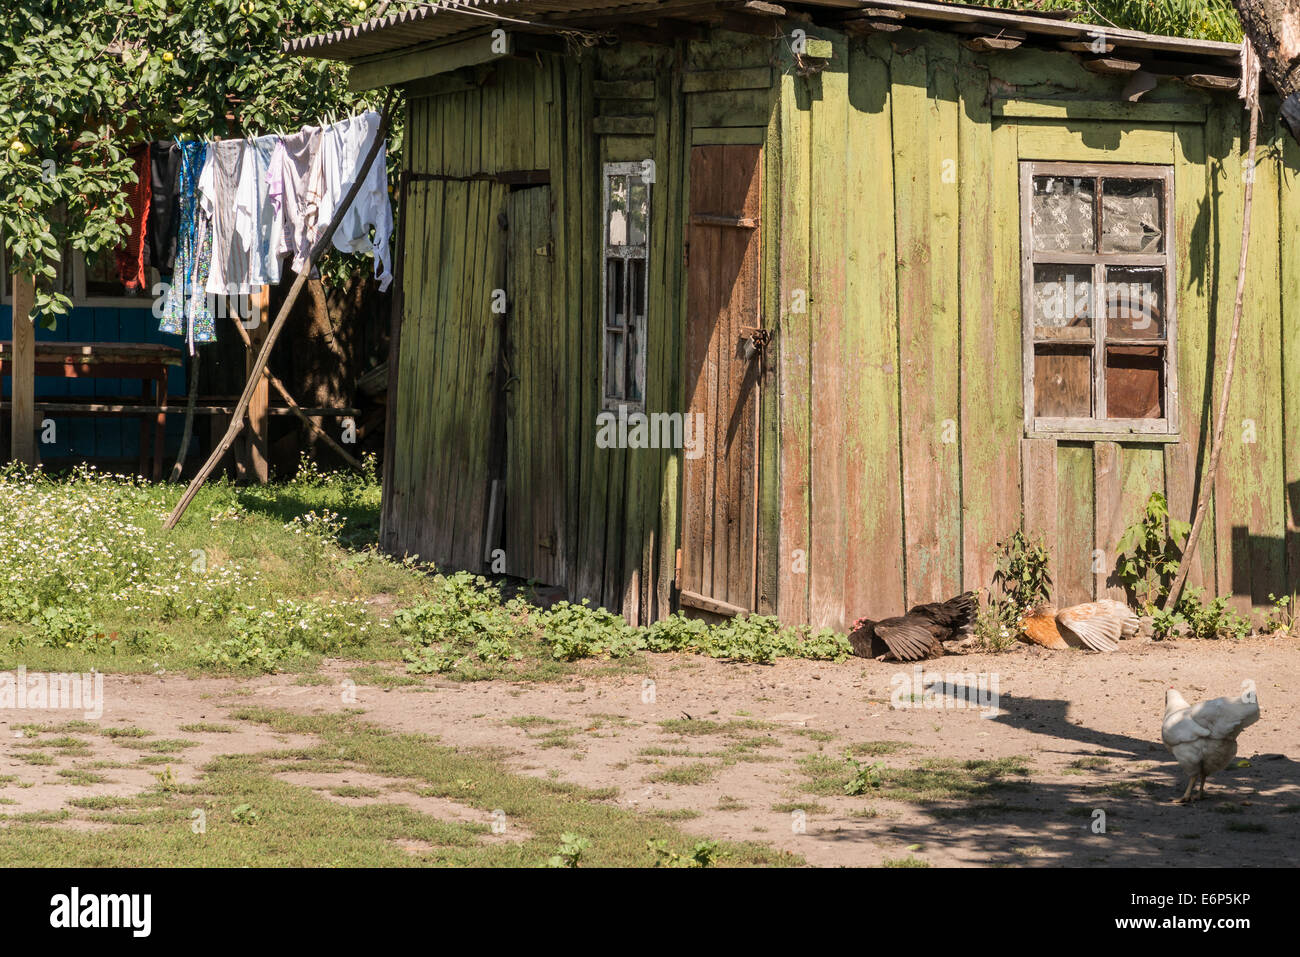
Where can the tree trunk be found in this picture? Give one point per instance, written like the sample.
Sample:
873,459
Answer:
1273,27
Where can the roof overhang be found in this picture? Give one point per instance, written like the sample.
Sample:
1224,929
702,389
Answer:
428,26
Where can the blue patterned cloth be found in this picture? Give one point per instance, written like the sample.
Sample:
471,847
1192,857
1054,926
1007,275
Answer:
186,309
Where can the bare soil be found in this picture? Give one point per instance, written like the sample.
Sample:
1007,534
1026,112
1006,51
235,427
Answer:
731,762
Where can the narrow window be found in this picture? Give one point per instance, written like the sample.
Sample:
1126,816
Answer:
627,243
1097,261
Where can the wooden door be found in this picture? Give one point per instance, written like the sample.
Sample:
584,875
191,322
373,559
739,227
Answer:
724,358
535,385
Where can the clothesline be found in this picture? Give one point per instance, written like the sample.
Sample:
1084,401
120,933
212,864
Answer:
217,218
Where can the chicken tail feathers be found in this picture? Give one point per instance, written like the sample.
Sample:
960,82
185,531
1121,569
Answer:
958,613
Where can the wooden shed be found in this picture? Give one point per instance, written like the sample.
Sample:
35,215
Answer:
881,282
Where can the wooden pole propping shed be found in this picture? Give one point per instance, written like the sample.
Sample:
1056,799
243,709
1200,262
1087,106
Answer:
255,380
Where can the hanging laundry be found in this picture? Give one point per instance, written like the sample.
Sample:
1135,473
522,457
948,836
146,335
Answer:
185,309
130,255
164,206
333,163
372,208
292,165
255,213
218,195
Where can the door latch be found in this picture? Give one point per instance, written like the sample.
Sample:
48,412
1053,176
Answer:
754,340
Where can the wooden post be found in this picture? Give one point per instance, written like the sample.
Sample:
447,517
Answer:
23,372
259,419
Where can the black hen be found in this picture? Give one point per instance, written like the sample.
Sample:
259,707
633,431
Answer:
918,634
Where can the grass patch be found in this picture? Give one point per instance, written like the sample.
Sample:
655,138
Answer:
127,732
932,780
696,773
206,727
295,826
166,745
80,776
703,726
529,721
878,748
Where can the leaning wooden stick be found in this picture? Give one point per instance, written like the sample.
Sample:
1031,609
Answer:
255,373
1207,484
297,409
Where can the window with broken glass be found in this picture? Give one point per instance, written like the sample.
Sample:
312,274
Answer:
1098,303
627,268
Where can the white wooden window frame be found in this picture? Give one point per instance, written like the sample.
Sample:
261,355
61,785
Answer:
1098,426
627,253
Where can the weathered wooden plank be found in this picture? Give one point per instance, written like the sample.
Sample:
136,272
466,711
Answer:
729,108
1260,385
768,558
873,502
1289,261
990,335
1185,460
1039,487
710,81
1073,575
925,140
793,343
624,89
739,135
1248,487
829,315
1115,110
1109,521
623,125
1096,142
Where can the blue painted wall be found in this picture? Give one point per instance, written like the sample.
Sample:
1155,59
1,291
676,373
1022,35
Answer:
103,437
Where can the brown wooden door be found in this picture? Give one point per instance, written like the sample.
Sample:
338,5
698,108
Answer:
723,369
536,386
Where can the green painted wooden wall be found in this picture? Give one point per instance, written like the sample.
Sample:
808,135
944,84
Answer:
903,454
892,444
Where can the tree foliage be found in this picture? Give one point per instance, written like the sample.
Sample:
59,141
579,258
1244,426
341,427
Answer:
83,80
1195,19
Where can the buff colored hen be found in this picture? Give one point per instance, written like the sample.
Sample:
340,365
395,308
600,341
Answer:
1098,625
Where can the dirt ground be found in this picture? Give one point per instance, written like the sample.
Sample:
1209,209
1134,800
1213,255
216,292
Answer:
730,764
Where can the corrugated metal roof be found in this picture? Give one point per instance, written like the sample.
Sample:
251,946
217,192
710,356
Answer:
445,18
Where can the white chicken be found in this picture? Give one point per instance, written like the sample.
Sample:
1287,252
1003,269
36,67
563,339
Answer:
1203,737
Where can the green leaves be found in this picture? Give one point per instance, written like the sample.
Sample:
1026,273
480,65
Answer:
1149,555
1024,574
82,80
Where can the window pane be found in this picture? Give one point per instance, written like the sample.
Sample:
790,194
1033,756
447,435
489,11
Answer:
1135,382
1062,382
1062,302
633,348
1061,214
636,289
615,307
614,365
1135,298
616,227
638,211
1132,216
